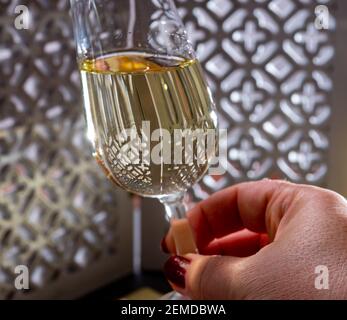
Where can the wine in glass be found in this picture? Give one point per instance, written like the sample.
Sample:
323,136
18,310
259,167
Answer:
149,112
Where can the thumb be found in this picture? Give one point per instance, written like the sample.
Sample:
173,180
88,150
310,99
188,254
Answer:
206,277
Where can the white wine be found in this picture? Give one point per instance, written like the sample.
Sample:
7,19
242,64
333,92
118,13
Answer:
122,91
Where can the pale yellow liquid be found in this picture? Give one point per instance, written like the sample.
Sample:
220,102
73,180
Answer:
122,90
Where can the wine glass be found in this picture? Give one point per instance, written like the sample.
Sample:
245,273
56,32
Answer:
149,112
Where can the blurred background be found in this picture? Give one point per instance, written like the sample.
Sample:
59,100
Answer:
278,72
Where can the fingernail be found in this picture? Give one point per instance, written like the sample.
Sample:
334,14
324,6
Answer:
163,246
175,270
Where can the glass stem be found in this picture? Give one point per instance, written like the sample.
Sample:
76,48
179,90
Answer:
180,228
174,206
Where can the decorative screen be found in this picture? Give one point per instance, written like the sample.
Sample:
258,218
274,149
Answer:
269,64
58,213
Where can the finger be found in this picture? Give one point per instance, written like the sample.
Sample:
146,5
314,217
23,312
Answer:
239,244
257,206
205,277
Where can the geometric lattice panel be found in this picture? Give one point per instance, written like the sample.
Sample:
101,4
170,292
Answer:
58,214
270,70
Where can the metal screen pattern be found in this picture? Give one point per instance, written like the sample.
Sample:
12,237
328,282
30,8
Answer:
58,213
270,69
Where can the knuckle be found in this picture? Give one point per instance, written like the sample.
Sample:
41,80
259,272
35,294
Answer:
326,199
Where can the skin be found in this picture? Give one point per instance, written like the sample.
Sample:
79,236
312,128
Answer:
263,240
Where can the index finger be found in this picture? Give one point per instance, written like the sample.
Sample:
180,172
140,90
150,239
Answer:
241,206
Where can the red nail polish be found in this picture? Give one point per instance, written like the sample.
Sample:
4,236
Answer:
163,246
175,270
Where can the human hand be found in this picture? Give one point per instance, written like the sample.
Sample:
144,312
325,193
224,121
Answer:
263,240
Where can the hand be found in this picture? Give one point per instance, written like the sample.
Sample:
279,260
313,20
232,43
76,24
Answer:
263,240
